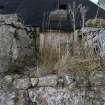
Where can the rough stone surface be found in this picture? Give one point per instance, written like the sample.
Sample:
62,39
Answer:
54,96
97,78
69,79
6,83
7,98
14,40
22,83
53,89
48,81
34,81
22,97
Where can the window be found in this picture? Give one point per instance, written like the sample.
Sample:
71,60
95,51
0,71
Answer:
1,7
63,6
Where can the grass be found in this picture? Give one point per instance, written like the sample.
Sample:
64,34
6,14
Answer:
60,62
78,64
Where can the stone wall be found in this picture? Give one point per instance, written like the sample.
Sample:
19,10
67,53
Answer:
14,40
80,88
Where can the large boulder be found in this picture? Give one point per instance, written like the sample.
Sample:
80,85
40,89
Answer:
53,96
14,40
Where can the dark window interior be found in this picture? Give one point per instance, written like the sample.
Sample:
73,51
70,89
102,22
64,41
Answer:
63,6
1,7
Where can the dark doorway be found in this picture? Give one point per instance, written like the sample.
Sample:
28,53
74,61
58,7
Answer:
63,6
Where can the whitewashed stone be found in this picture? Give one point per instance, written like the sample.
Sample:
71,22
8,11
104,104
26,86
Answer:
34,81
50,80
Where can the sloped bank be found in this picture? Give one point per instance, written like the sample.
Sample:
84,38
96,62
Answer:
82,88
